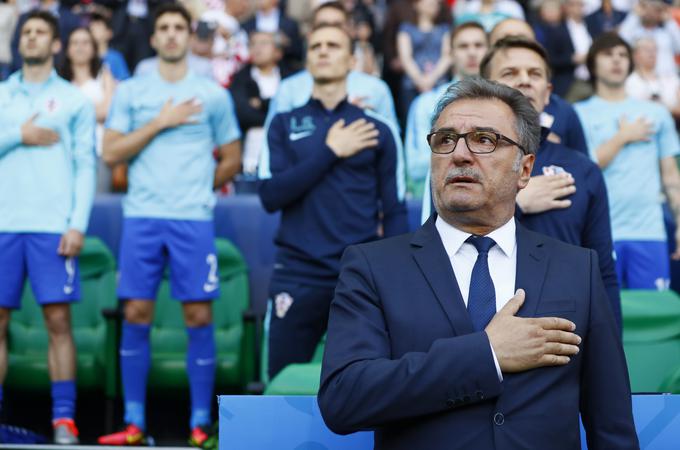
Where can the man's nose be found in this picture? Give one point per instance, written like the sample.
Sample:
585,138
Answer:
461,153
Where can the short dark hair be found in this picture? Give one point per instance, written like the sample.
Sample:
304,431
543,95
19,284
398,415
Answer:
47,17
171,8
97,17
336,5
468,26
514,42
526,123
604,42
335,27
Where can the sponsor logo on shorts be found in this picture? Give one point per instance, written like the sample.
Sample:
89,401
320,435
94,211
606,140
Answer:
70,266
282,303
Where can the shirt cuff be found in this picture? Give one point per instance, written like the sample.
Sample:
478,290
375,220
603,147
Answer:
498,366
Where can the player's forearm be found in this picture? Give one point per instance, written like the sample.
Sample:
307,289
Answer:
607,151
120,148
225,171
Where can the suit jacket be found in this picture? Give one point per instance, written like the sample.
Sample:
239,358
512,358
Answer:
599,22
402,358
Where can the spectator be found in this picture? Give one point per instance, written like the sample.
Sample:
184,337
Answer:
253,87
114,60
651,18
47,182
487,12
268,17
645,84
167,124
327,152
559,115
553,32
84,69
8,20
399,11
607,18
424,52
566,197
67,23
580,39
230,48
366,60
468,46
635,144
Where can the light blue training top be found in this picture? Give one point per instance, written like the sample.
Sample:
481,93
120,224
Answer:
172,177
46,189
633,177
296,90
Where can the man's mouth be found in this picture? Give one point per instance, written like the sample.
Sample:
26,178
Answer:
461,179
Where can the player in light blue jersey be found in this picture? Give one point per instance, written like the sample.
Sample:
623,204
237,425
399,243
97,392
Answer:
635,144
47,184
166,124
468,46
363,90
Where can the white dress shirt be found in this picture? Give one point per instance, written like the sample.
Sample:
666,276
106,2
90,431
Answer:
581,40
502,262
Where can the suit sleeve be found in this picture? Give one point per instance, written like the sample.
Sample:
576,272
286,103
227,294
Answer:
575,137
392,184
597,235
363,387
605,402
248,116
290,178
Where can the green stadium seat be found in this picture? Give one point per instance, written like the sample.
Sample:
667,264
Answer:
95,336
651,338
299,379
233,337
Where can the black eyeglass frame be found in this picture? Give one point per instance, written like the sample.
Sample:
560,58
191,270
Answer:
457,136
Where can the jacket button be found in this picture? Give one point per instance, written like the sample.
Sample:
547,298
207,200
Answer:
450,403
498,419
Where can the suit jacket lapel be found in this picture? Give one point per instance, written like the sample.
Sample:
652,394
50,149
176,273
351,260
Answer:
532,263
434,263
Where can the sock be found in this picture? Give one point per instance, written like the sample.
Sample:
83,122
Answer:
135,360
63,399
201,373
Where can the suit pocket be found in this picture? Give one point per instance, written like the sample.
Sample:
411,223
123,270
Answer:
555,306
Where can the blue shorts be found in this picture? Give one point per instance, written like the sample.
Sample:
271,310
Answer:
53,278
643,264
148,245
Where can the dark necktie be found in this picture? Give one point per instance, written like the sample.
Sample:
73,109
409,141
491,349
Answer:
482,296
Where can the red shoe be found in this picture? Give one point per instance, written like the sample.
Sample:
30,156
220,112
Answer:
131,435
65,431
204,437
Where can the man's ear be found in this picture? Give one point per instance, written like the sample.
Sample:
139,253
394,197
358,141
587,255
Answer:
56,46
526,165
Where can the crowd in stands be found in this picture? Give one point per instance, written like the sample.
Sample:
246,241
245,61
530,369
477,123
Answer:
608,97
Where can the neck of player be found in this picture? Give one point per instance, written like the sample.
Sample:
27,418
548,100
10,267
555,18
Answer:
172,71
37,73
611,92
330,94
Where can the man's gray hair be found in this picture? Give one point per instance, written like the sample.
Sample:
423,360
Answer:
527,125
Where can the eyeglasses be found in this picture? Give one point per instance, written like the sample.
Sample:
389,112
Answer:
444,142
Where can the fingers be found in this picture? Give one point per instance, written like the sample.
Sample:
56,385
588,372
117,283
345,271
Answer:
560,204
559,349
553,323
553,360
514,304
564,337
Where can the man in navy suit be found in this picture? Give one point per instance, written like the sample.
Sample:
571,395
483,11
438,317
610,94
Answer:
416,350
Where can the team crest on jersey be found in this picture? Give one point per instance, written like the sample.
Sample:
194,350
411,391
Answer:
282,303
51,105
305,124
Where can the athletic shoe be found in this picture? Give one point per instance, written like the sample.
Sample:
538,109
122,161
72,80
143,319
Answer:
204,437
131,435
65,432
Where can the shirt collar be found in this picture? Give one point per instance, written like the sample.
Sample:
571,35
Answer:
17,78
316,103
453,238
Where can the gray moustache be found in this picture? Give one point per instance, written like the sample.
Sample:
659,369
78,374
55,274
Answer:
462,172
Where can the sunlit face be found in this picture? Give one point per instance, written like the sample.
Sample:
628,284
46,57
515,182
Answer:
428,8
37,45
464,183
645,54
171,37
574,9
100,31
612,66
652,11
81,47
511,27
329,55
524,70
468,49
330,16
263,49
